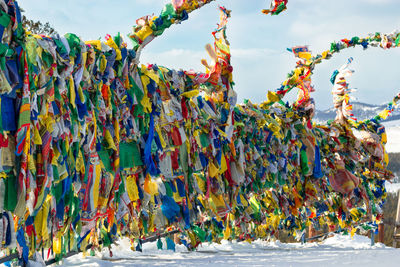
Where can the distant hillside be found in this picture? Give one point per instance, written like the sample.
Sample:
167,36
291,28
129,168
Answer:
361,111
394,164
390,206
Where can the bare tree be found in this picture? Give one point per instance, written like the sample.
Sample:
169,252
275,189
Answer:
37,27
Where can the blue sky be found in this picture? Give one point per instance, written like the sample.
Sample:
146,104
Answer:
258,41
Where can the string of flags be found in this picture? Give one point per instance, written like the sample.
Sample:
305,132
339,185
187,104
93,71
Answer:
277,7
95,146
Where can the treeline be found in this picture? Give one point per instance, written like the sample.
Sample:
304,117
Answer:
389,217
394,163
37,27
390,206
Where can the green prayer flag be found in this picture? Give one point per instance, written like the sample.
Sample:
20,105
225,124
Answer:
130,156
10,198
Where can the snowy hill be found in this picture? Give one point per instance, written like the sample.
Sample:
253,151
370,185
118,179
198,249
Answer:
361,111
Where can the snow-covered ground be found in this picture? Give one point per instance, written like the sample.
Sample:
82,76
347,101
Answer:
335,251
393,136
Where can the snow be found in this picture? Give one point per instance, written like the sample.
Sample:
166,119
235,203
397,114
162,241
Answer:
392,187
335,251
393,123
393,134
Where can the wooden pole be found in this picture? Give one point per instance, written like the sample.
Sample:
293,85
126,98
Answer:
311,231
372,238
397,221
398,208
276,234
381,233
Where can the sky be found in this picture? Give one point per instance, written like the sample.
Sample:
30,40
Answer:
258,42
